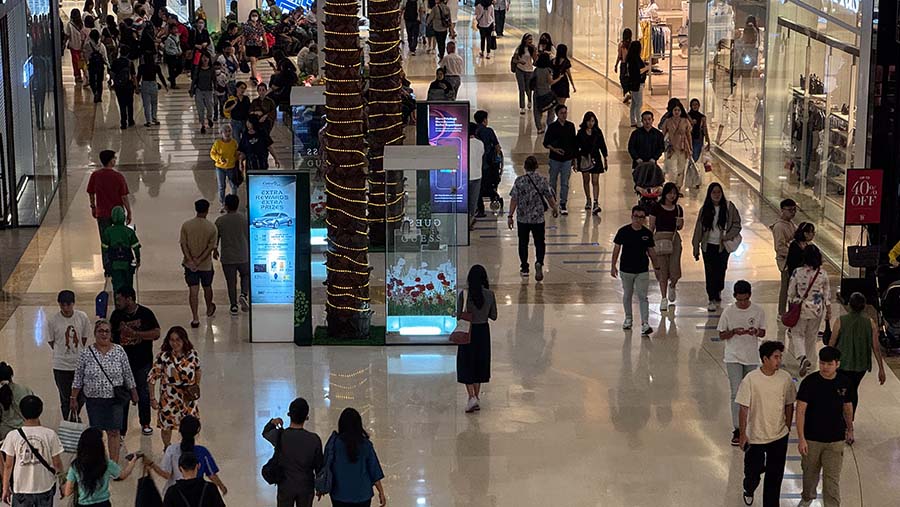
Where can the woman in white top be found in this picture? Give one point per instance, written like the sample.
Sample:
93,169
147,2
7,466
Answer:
76,34
484,20
523,60
717,234
810,288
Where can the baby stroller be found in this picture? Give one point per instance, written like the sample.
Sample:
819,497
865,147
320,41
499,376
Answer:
648,182
887,305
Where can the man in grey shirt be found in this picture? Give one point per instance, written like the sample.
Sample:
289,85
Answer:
300,455
234,252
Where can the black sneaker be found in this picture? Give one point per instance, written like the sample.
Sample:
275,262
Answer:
736,438
563,210
524,273
233,309
203,130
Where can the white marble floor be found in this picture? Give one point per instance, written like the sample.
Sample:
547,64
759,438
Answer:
578,412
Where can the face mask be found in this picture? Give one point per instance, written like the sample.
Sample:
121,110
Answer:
254,18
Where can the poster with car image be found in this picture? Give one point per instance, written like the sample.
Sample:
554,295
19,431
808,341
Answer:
273,233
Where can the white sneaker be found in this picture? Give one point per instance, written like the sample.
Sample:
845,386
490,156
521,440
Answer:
671,294
626,324
538,271
522,111
663,306
529,105
646,329
470,405
711,307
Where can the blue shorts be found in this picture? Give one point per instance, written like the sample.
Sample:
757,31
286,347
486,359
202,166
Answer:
105,413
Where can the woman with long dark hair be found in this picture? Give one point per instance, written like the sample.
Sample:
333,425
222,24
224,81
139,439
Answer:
189,427
544,100
545,45
177,369
355,466
717,234
92,470
76,35
592,155
803,237
523,59
10,395
473,360
621,55
810,288
677,130
635,74
666,220
484,20
562,74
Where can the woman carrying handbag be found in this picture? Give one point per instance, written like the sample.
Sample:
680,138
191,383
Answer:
810,291
473,360
592,155
666,219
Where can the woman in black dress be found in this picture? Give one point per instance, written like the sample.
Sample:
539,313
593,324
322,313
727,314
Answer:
473,360
562,74
592,154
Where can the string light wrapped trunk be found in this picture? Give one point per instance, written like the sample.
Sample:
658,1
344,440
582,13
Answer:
347,264
385,117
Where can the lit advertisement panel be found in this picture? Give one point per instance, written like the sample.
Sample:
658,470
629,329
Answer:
448,125
273,230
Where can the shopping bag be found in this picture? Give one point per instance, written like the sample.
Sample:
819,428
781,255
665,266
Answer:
147,495
706,160
101,302
692,176
69,434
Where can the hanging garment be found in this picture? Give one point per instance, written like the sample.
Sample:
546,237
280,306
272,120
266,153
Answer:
646,44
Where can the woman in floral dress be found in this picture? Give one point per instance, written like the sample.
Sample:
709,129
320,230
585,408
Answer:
177,370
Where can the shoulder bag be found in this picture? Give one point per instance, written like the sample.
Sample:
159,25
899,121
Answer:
536,189
461,334
325,476
731,245
35,452
273,472
513,62
792,316
863,256
120,393
664,241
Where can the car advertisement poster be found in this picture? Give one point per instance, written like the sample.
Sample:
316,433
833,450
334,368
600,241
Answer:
280,279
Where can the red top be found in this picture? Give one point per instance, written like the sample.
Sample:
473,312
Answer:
109,188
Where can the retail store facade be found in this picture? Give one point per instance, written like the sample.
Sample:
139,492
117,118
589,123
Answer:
31,133
782,83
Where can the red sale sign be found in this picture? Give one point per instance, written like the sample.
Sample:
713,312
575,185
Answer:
863,204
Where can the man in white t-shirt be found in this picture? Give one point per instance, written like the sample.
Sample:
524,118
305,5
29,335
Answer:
31,459
766,397
69,331
741,326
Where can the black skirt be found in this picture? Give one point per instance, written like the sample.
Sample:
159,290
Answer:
473,361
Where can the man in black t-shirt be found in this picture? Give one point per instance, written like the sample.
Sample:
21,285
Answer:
635,243
824,423
135,328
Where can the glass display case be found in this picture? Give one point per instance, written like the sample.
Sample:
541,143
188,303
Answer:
307,122
421,263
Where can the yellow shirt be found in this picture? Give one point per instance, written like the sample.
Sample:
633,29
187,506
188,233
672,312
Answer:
224,153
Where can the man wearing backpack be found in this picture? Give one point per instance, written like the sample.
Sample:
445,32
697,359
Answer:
172,54
124,84
98,61
120,246
193,490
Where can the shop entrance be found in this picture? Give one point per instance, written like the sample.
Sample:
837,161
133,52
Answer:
812,88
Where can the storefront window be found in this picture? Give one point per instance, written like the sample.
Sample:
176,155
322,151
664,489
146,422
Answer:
732,92
589,34
810,114
523,14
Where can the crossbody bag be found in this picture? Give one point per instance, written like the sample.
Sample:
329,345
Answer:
120,393
36,453
536,189
792,316
664,241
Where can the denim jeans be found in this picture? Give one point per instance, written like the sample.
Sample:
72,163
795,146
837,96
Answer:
523,81
205,104
143,389
561,171
44,499
237,130
637,102
636,283
736,373
221,176
455,83
768,458
150,98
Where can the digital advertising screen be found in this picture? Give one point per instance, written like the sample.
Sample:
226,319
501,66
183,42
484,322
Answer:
273,237
448,125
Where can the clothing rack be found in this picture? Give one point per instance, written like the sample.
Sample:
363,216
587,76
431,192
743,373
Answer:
667,53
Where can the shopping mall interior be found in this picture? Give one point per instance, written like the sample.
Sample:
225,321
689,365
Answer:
577,410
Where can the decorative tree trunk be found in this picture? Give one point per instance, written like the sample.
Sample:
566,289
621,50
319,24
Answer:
385,119
347,262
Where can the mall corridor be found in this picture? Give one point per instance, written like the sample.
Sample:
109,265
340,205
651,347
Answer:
578,412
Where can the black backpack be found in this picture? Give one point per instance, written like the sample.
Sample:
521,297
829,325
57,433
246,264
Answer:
96,59
273,470
122,77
